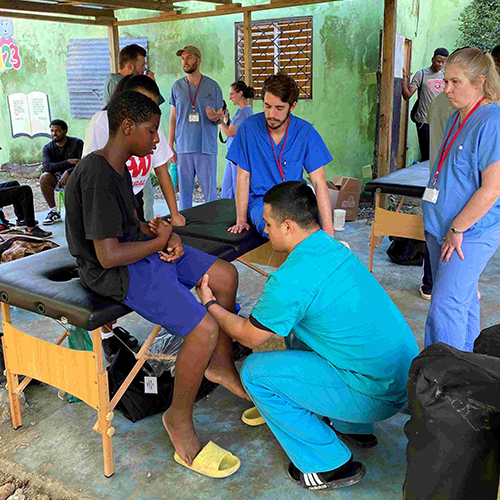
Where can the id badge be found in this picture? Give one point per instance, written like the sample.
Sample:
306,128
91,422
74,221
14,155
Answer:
150,385
430,195
194,117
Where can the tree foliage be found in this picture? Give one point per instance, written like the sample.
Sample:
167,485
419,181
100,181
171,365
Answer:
479,25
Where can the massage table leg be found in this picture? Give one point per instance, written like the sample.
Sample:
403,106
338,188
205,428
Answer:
104,413
12,379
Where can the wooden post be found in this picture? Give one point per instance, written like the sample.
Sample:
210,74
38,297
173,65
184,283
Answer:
247,44
387,90
114,47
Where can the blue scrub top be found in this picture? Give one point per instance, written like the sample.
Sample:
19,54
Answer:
251,150
241,115
195,137
330,301
475,148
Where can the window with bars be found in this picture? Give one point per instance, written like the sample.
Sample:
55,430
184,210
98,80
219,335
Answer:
278,45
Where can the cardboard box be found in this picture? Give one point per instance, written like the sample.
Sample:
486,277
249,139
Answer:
344,193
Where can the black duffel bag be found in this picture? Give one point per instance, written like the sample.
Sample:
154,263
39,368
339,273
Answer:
454,430
135,404
406,252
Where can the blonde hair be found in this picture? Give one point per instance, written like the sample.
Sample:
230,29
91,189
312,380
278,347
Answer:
477,63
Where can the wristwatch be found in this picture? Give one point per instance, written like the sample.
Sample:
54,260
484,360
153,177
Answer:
455,230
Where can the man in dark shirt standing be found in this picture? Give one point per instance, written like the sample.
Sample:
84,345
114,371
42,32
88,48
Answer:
59,158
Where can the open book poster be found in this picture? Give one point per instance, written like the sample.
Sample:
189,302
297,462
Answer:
29,115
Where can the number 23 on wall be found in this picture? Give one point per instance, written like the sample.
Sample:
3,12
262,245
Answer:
10,57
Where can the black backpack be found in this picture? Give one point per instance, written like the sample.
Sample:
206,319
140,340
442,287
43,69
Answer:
414,109
406,252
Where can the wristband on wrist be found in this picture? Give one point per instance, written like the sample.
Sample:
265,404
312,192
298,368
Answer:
455,230
210,303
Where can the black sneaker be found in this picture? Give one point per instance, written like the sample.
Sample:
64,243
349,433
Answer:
346,475
38,232
21,223
363,441
112,345
52,217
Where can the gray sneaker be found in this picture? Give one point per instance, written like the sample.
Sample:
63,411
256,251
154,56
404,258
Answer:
52,217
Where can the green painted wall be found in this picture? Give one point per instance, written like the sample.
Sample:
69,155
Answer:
429,24
345,50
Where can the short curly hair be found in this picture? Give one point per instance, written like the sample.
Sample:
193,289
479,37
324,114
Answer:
130,105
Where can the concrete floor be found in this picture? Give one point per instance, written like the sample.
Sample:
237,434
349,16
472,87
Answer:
57,440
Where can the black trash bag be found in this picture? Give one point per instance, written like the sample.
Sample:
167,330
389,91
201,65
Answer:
454,430
135,404
488,342
406,252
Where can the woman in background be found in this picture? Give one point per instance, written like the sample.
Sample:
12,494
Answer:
239,93
461,203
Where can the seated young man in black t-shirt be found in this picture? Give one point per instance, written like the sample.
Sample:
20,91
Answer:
146,267
59,158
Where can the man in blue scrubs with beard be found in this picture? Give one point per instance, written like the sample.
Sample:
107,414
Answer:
273,147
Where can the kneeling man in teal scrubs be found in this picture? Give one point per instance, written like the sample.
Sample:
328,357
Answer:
349,347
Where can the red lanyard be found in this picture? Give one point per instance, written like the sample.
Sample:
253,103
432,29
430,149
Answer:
197,90
446,150
278,162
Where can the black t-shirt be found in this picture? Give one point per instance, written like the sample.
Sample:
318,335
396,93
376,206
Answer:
55,159
100,204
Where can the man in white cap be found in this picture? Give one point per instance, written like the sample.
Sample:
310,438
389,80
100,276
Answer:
193,128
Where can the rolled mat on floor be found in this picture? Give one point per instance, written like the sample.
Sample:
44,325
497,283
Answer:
454,430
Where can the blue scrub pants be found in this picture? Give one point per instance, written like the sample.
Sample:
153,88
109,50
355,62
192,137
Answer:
229,180
454,314
290,388
204,167
256,214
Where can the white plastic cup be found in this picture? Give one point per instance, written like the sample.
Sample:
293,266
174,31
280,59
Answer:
338,219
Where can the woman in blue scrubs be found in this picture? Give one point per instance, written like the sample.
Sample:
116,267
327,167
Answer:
239,94
461,203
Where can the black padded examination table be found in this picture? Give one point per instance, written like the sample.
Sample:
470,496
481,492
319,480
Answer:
47,283
410,181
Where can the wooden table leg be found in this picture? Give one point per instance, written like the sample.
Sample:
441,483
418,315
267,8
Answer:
105,416
12,379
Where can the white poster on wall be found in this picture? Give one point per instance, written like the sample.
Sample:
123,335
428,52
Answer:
399,56
29,115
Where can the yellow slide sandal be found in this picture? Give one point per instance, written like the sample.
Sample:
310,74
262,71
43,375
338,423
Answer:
212,461
252,417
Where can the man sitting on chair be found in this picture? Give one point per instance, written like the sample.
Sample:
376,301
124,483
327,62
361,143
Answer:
349,347
59,158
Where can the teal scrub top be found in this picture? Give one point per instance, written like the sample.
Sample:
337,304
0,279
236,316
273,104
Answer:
329,300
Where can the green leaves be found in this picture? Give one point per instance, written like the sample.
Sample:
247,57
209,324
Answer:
479,25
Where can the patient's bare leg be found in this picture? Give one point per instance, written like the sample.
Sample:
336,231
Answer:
191,363
223,281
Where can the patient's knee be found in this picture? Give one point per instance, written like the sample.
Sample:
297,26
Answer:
207,332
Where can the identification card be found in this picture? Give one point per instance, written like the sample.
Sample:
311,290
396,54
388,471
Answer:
150,385
194,117
430,195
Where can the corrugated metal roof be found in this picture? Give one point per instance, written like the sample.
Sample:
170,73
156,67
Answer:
87,65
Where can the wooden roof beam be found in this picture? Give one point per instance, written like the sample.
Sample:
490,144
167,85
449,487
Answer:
56,19
175,16
133,4
54,8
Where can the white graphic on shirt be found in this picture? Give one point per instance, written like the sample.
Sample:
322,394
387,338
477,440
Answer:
436,85
139,169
